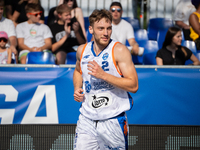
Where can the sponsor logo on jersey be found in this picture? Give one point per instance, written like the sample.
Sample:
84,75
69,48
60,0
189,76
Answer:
105,56
87,86
100,100
102,85
86,56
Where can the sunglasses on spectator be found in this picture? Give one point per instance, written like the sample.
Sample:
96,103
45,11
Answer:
118,9
3,39
36,14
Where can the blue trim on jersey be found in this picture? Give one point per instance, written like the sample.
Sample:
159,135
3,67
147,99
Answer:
130,100
122,119
92,48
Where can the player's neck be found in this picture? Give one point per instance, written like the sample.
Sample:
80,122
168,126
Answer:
98,48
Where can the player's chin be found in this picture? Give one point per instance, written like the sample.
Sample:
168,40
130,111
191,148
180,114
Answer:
105,40
105,43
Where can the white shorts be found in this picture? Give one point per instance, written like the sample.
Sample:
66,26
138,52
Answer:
102,135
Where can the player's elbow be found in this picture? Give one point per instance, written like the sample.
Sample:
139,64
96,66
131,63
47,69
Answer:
134,88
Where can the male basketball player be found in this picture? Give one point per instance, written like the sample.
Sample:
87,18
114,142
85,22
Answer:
103,76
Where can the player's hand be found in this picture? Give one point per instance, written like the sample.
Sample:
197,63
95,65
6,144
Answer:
78,95
95,69
67,29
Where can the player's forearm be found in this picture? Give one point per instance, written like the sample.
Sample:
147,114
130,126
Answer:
128,84
77,80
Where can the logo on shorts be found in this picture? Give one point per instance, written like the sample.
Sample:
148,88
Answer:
33,32
100,101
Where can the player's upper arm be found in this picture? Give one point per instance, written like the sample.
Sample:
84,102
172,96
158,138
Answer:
78,56
124,61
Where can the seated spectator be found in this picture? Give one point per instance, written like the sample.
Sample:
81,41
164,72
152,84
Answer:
76,14
194,21
20,16
122,30
182,13
32,36
172,53
66,34
10,7
5,53
7,26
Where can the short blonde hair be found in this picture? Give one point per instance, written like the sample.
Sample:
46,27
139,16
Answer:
97,15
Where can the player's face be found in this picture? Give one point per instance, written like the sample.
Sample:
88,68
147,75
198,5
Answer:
1,11
66,17
101,31
116,12
34,16
177,39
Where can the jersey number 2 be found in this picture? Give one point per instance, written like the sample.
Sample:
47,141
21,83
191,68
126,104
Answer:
105,65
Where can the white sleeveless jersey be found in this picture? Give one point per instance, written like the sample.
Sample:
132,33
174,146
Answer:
102,100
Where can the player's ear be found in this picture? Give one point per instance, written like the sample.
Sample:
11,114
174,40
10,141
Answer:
91,29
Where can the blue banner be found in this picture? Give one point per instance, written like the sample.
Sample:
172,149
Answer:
30,95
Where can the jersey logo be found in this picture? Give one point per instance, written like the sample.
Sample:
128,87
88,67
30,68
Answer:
105,56
86,56
100,100
87,86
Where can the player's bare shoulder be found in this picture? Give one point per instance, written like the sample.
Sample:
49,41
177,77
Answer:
79,51
121,51
119,47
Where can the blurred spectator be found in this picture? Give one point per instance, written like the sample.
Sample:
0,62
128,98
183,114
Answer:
32,36
194,21
76,14
66,34
20,16
182,13
172,53
8,26
5,53
122,30
10,7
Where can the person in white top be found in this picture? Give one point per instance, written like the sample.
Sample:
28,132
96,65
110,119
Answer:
5,53
123,30
103,76
7,26
33,36
181,16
